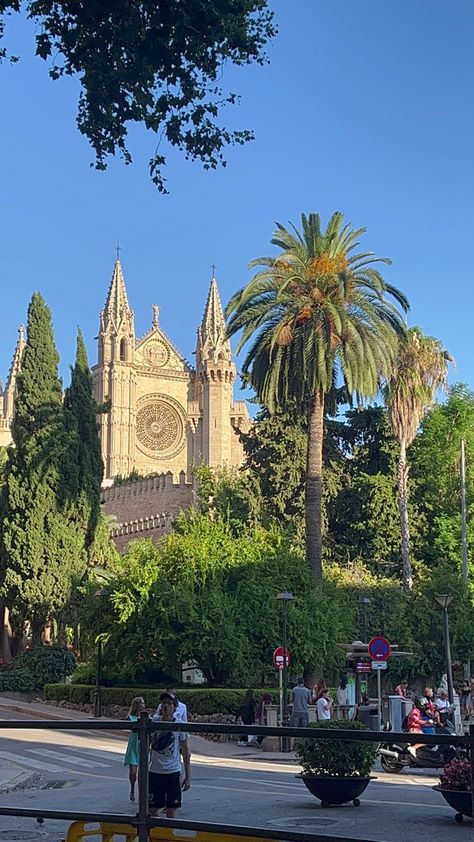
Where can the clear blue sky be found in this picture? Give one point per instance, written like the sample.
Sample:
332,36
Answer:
366,107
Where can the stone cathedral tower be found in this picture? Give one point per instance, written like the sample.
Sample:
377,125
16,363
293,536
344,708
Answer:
164,414
7,397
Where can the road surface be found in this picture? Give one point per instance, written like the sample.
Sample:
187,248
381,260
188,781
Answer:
84,771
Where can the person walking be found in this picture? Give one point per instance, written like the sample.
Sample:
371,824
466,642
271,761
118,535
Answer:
164,775
300,698
132,754
246,713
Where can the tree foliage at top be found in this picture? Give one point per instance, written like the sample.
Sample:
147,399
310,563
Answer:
317,313
154,63
41,549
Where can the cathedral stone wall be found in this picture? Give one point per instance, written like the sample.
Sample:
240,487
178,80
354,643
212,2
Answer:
144,498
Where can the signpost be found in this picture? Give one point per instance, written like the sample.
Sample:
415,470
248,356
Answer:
379,651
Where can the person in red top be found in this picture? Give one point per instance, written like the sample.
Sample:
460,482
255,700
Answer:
415,722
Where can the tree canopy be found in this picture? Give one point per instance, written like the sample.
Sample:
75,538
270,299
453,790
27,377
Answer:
157,64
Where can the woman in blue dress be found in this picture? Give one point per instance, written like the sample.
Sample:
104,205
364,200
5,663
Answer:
132,753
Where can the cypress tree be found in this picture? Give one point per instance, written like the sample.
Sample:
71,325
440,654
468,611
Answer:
82,409
41,549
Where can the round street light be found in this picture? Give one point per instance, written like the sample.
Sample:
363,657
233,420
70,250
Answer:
101,593
285,597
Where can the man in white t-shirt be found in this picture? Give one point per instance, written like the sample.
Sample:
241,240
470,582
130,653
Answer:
324,706
164,776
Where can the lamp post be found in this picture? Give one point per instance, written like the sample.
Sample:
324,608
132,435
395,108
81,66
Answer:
444,600
101,593
285,597
364,601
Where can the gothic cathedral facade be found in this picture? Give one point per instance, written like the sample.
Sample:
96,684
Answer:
164,416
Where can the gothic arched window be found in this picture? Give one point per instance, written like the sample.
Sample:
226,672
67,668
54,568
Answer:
123,350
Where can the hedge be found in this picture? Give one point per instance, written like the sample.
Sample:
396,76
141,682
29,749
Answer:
202,702
17,681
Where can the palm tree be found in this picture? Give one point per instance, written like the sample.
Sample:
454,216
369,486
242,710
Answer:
318,317
420,369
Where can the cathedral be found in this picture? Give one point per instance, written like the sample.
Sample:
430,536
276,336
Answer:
163,415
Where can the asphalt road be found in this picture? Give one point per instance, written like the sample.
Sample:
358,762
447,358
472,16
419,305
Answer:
84,771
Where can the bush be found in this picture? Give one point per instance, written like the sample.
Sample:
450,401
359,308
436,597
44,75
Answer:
199,702
48,664
78,694
457,775
336,757
17,681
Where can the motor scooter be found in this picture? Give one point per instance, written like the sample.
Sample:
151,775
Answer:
394,757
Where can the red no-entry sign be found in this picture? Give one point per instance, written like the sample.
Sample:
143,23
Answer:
279,657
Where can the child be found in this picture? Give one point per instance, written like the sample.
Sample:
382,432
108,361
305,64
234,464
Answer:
132,753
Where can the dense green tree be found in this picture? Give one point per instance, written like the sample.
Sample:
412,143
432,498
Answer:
229,493
420,369
158,64
435,458
81,414
41,549
316,313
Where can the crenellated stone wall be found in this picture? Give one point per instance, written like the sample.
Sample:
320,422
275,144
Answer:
135,505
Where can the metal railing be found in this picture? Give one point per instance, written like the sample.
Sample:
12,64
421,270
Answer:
143,821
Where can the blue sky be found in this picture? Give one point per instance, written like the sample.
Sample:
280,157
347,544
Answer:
366,107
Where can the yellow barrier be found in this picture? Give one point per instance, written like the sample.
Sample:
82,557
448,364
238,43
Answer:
106,832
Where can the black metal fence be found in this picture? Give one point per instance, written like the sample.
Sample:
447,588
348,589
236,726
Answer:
143,821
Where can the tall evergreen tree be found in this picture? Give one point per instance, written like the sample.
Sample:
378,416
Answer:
41,550
82,409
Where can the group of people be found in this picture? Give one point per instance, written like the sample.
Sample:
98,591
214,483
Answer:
300,699
441,700
165,780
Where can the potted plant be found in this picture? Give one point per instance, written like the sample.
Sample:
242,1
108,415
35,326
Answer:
455,785
336,771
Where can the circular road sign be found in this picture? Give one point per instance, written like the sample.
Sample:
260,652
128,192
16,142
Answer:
379,649
279,657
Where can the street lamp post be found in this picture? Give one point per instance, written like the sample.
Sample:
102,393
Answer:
444,600
364,601
285,597
101,593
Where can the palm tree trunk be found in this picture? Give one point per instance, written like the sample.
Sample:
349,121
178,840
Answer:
313,490
402,480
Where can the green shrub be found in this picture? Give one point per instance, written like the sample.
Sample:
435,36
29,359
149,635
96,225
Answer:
48,664
78,694
336,757
201,702
17,681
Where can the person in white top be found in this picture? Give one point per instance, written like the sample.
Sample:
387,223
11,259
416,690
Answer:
324,706
181,711
442,701
164,776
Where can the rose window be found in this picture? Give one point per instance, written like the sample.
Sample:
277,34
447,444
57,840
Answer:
159,426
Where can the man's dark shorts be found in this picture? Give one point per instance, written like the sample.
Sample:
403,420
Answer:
164,790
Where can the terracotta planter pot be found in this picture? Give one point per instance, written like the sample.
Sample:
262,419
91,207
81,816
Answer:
331,790
459,800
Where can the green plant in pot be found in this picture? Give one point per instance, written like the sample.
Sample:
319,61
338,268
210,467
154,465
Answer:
336,771
455,785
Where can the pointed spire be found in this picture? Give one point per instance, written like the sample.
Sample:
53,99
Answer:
117,301
10,389
213,331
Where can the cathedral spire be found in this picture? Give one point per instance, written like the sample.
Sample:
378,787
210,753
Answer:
117,302
213,330
10,389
